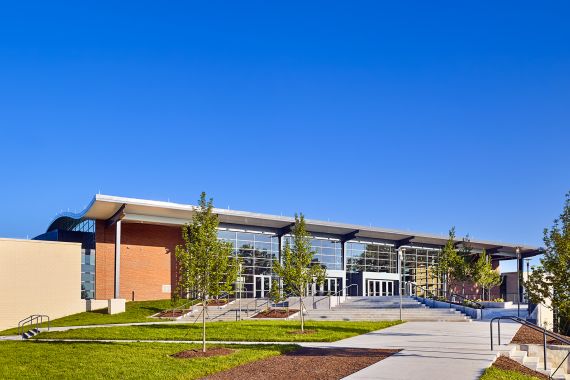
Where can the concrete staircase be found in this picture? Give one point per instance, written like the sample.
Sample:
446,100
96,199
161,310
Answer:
536,363
384,309
30,333
230,312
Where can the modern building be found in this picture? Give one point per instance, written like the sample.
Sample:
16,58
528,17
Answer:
128,250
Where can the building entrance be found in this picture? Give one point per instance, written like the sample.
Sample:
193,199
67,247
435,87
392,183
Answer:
261,286
379,288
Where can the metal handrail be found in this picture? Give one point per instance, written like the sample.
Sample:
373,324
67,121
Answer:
523,322
480,306
38,318
335,294
426,291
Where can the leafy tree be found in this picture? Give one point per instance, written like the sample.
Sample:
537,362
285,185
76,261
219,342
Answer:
484,275
206,267
275,293
551,279
451,265
462,272
297,269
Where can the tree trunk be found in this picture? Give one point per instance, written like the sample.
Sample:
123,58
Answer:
302,316
204,305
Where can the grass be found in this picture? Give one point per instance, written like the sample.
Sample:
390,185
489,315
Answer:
494,373
58,360
135,311
250,331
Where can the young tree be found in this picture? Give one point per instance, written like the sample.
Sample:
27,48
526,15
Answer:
551,279
463,272
484,275
297,269
206,267
450,263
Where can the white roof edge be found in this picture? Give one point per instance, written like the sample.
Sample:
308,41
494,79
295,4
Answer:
187,207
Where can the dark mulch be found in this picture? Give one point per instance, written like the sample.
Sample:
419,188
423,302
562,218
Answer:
526,335
275,313
307,363
172,313
508,364
188,354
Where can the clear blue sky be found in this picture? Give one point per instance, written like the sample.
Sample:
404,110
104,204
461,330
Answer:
402,115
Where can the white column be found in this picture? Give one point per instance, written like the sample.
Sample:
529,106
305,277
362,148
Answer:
117,259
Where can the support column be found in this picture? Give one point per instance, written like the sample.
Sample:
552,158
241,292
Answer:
117,259
343,255
519,282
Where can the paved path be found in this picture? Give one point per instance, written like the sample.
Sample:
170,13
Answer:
431,350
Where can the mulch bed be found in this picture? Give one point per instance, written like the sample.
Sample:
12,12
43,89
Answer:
173,313
526,335
189,354
275,313
307,363
508,364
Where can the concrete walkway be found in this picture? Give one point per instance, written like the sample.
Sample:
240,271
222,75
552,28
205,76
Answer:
430,350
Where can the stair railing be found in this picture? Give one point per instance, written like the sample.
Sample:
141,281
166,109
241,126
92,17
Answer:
36,319
337,294
544,332
429,294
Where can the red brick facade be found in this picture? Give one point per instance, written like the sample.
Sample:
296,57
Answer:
147,260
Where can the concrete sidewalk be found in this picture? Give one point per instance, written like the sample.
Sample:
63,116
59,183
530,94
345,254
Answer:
430,350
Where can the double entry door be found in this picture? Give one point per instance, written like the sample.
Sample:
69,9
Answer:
328,287
379,288
261,286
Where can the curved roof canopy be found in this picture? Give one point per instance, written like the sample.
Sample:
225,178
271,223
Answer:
132,210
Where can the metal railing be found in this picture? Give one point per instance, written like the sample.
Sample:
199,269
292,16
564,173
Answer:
431,295
544,332
337,294
34,319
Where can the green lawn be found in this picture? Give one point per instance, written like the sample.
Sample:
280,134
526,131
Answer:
136,311
494,373
47,360
253,331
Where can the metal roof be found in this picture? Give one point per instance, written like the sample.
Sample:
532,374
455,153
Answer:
103,207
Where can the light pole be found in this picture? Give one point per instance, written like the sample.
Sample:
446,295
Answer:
400,254
518,251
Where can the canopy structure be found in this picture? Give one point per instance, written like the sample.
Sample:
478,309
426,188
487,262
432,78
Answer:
132,210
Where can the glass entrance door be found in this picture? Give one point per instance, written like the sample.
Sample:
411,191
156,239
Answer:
379,288
261,286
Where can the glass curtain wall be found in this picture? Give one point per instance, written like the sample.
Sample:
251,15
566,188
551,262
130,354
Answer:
420,267
87,258
258,252
371,257
328,252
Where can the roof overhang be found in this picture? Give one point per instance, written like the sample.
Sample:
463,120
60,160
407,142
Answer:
104,207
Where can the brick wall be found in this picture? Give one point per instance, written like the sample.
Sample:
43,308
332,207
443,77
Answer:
147,260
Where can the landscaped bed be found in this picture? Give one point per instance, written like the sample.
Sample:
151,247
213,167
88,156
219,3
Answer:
508,369
252,331
59,360
527,335
307,363
276,313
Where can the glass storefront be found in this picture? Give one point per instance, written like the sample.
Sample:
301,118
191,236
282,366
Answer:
257,252
371,257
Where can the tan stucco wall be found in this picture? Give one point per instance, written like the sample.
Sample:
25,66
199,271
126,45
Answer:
38,277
